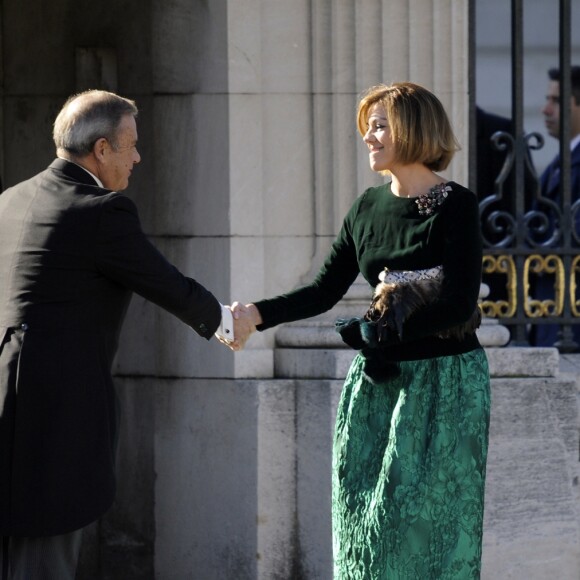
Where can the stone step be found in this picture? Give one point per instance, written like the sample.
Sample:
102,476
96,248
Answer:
523,361
333,363
320,333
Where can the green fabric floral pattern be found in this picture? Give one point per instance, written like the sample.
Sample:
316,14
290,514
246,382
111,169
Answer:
409,471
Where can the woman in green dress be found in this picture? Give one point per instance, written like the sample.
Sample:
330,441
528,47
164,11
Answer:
411,434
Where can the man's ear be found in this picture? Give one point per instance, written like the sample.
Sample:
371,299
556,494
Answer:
100,148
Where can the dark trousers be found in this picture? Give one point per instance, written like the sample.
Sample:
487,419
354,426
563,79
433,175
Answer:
44,558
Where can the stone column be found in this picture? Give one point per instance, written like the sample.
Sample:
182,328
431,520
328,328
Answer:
296,161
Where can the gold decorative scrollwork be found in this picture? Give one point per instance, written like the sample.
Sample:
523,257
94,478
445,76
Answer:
574,302
501,265
552,265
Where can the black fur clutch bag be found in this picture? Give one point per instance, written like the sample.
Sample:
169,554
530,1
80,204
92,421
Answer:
391,306
394,303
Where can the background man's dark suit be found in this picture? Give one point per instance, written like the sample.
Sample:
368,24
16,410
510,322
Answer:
547,334
71,254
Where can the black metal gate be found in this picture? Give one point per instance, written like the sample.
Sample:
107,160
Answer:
530,238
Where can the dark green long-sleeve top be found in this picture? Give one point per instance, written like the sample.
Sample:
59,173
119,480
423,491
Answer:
384,230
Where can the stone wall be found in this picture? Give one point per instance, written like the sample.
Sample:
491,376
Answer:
532,519
242,472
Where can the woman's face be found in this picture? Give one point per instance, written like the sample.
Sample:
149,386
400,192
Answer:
378,140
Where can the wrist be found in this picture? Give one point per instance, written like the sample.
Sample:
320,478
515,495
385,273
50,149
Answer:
255,314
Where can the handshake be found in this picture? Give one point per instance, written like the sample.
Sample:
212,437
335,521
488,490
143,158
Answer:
246,318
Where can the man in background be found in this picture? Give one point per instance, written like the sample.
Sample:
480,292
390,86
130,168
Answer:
547,335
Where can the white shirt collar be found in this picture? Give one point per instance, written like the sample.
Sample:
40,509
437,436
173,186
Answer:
99,182
574,142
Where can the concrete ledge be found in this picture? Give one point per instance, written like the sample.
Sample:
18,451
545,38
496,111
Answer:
302,363
523,362
314,335
321,334
333,363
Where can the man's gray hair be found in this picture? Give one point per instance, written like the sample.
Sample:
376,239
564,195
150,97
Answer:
87,117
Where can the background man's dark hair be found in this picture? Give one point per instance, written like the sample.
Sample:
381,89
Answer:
554,75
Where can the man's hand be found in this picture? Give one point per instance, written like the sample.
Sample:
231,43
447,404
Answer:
246,318
243,325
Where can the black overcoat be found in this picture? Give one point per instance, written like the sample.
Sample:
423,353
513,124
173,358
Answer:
71,254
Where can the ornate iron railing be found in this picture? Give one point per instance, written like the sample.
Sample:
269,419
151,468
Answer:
526,235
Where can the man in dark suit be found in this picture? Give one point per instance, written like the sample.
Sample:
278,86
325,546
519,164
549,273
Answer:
547,335
71,253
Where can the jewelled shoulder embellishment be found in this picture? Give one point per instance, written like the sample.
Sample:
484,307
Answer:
430,201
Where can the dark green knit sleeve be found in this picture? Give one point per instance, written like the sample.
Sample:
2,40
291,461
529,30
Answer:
338,272
462,264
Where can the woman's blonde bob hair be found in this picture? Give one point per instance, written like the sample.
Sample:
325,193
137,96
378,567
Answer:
419,125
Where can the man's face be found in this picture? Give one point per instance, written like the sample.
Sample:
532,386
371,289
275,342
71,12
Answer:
551,112
120,157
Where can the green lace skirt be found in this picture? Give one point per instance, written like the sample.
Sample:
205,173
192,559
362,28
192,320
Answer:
409,471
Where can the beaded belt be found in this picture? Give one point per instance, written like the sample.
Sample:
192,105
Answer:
403,276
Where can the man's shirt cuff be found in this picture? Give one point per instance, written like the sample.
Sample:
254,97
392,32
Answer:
226,327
